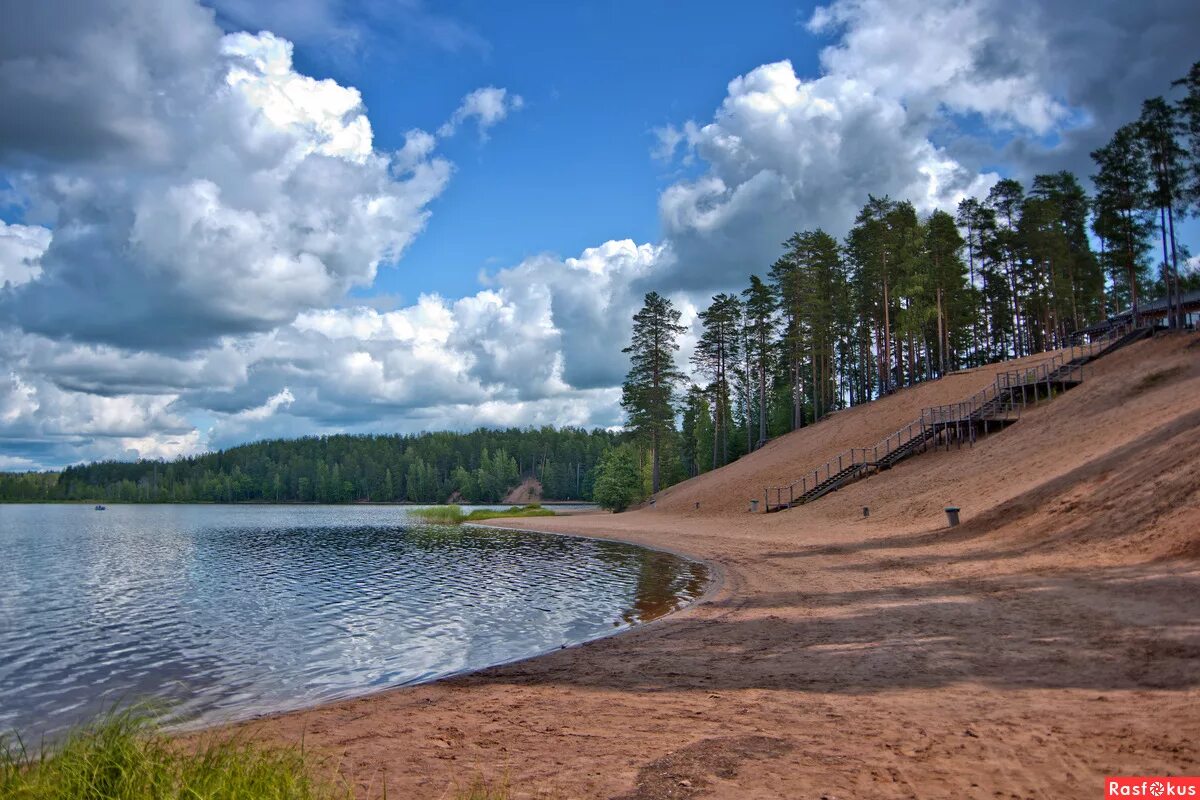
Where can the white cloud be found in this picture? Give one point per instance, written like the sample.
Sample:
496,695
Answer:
784,153
253,193
80,425
21,248
325,117
275,402
487,106
964,56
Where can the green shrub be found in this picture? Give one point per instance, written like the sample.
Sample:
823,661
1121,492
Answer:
618,479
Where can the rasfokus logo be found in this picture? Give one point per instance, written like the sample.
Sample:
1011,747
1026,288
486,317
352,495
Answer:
1151,786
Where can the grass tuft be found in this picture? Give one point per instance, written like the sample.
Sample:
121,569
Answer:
533,510
444,515
453,515
124,756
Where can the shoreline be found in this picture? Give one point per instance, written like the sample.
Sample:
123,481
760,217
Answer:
715,577
731,687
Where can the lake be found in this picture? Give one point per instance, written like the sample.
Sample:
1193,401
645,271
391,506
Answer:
225,612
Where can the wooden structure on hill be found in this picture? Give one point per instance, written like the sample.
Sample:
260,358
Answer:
994,408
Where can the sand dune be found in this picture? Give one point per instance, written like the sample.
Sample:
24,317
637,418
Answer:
1049,640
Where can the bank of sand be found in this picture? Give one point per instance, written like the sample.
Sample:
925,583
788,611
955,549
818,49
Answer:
1051,639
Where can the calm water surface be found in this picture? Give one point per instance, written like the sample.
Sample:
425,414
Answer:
228,611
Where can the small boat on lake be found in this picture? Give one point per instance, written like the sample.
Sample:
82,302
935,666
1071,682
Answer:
101,508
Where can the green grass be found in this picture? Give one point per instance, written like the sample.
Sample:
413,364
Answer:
446,515
453,515
124,756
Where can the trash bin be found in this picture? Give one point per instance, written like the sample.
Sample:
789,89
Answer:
753,506
952,515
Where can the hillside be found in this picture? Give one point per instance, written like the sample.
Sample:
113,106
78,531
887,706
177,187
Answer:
1118,453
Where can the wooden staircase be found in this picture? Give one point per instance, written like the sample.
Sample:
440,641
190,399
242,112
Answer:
994,408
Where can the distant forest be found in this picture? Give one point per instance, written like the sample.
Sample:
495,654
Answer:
478,467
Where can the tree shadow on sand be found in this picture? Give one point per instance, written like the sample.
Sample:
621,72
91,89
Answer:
1100,631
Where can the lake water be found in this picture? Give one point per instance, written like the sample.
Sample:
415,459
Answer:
229,611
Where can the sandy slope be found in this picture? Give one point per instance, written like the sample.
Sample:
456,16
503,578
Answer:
1051,639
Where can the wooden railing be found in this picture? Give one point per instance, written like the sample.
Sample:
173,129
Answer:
1003,400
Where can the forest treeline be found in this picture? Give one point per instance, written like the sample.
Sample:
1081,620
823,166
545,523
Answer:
902,298
480,467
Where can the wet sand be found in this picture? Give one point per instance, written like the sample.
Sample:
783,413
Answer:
1050,640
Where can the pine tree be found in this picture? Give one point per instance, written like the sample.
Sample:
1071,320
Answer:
1005,200
760,329
697,432
1121,219
715,355
953,300
1157,128
649,390
1188,114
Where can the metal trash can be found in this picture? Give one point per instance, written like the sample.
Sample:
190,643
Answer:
952,515
753,506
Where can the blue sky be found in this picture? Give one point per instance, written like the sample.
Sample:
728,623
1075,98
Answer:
574,167
201,200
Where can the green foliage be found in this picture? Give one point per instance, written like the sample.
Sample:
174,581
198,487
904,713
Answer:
123,756
618,479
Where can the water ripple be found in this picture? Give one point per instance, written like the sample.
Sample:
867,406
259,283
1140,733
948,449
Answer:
228,611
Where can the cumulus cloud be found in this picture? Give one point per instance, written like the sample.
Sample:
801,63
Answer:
784,153
1053,79
272,201
964,57
41,422
487,106
21,248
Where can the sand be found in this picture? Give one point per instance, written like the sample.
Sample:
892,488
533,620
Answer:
1051,639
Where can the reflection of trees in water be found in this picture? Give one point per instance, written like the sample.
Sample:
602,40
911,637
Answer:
664,583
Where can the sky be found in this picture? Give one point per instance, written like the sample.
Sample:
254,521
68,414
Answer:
232,220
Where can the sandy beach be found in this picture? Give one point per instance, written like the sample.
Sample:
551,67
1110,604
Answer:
1051,639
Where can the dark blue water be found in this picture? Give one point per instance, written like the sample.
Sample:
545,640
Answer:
229,611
